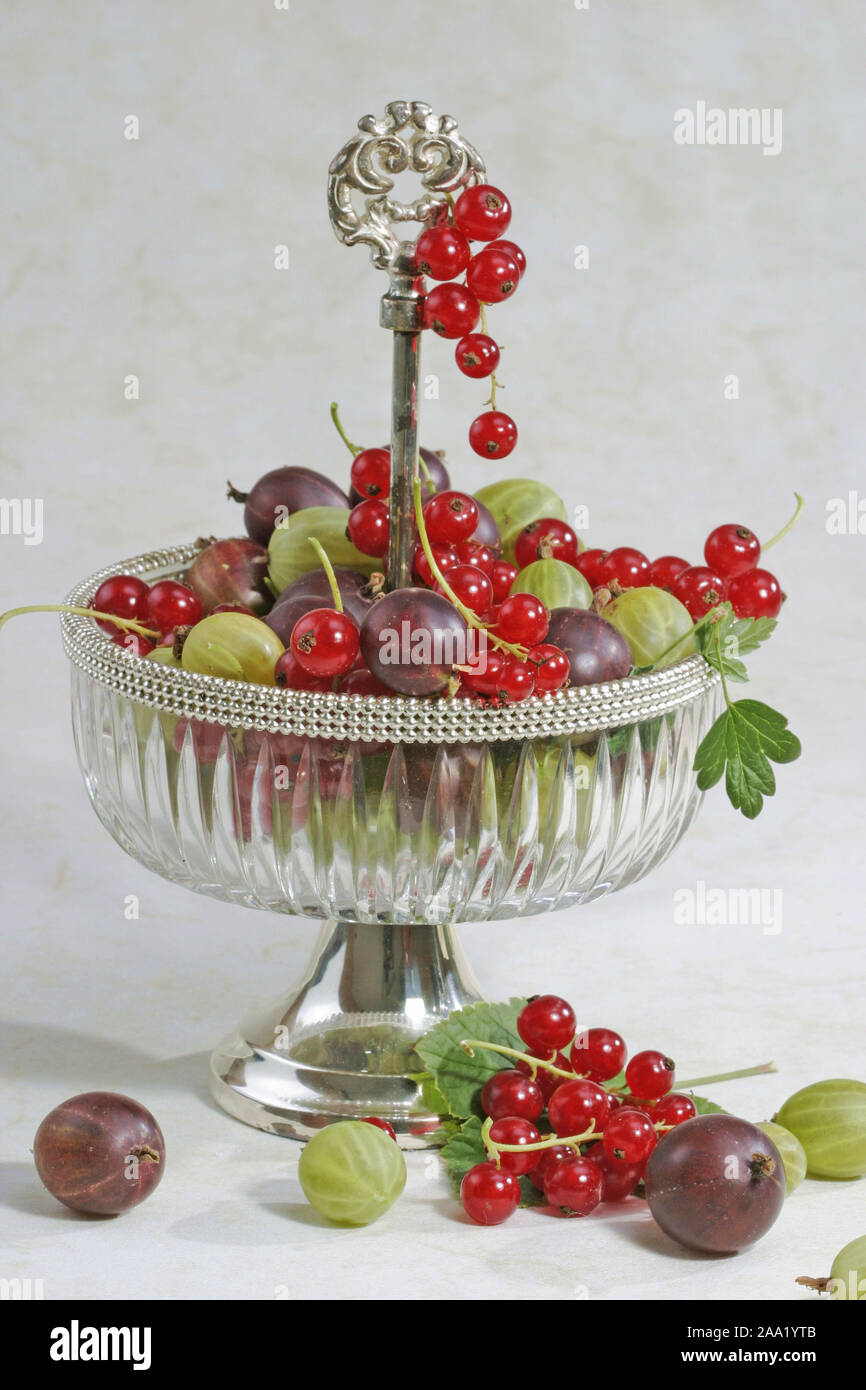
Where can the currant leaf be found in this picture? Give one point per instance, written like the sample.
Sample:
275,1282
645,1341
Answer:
458,1077
463,1147
741,743
707,1107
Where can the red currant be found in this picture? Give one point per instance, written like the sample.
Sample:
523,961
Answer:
368,526
513,249
588,563
546,1022
629,1136
576,1105
649,1075
493,434
289,674
380,1124
523,619
552,668
549,1159
442,252
485,671
171,605
511,1093
698,589
493,275
548,537
547,1080
471,586
732,550
451,311
574,1186
477,355
132,642
371,472
673,1109
325,642
489,1194
450,517
620,1179
630,568
665,570
125,595
598,1053
516,682
482,212
446,558
511,1129
756,594
503,577
361,681
474,553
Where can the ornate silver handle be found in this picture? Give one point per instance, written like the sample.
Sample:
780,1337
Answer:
408,137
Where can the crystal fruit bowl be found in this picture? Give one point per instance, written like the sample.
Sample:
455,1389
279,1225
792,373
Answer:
392,820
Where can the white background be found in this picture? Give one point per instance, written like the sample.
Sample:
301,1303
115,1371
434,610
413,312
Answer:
156,257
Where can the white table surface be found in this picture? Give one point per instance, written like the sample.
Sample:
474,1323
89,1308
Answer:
155,257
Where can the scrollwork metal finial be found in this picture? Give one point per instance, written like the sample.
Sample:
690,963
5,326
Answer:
409,136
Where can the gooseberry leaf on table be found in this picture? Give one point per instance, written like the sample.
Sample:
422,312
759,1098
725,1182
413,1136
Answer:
463,1147
458,1077
741,743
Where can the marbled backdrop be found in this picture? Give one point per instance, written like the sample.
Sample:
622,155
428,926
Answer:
154,258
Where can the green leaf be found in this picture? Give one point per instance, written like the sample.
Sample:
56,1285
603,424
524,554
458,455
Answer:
463,1148
740,744
458,1077
707,1107
725,640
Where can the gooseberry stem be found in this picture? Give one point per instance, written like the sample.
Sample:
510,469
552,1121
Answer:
470,618
762,1070
127,624
469,1045
354,449
329,571
788,524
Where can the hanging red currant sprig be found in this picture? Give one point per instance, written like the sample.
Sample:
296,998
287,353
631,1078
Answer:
443,252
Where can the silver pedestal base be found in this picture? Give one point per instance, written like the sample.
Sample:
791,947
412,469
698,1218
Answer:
341,1045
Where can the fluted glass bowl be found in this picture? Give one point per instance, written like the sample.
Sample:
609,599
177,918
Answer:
386,816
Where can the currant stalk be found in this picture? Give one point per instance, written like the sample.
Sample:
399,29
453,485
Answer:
127,624
471,619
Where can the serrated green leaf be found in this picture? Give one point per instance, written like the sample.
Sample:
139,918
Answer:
458,1077
722,643
740,744
463,1147
751,632
707,1107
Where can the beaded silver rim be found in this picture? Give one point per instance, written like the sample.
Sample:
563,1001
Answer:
371,718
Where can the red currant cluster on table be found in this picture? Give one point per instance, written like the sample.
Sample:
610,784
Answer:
443,252
598,1138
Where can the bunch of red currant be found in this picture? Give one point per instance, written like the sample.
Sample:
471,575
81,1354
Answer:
731,573
443,252
599,1138
161,607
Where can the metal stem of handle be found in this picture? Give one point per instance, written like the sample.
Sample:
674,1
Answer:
401,312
